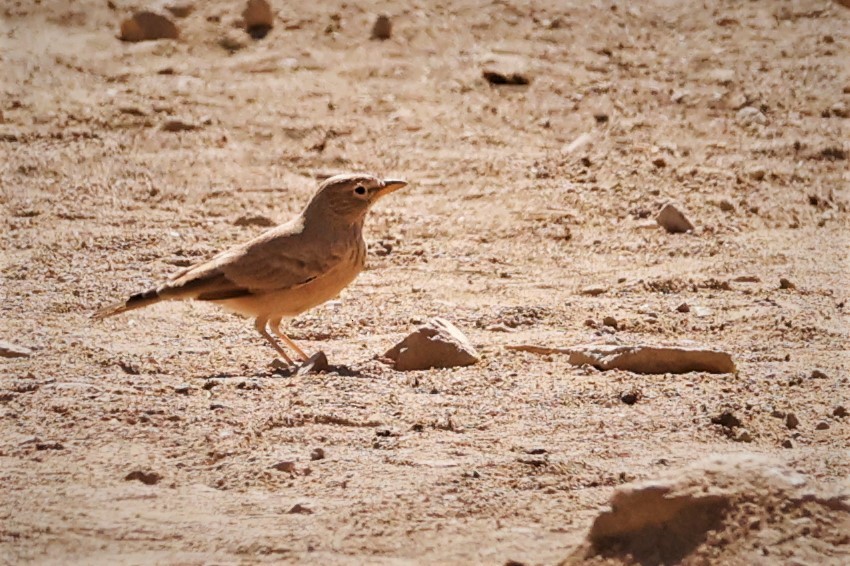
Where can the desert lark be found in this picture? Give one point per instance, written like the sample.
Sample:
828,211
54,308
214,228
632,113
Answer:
286,270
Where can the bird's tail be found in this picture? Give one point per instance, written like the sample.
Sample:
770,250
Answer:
136,301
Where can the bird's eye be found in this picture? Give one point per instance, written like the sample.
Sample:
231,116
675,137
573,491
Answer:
360,190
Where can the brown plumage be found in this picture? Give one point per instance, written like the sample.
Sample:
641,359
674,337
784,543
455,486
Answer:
286,270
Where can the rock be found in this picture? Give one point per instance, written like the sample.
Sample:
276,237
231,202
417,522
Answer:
177,125
673,220
317,454
593,291
684,307
631,396
382,28
499,78
659,162
757,173
787,443
791,421
722,76
726,205
285,466
578,143
726,419
148,26
146,477
133,111
437,344
747,116
786,284
383,248
689,515
179,8
233,40
822,425
254,220
839,411
818,374
702,312
610,321
316,363
743,435
299,509
839,110
249,385
258,18
9,350
601,117
183,388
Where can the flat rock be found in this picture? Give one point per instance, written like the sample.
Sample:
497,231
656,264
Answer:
673,220
648,359
147,477
499,78
436,344
642,359
148,26
254,220
748,115
9,350
316,363
669,520
177,125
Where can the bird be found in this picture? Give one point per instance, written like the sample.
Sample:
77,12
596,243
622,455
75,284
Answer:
286,270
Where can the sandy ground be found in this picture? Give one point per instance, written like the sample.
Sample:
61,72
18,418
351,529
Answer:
737,111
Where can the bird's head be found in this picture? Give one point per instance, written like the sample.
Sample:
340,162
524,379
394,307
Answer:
349,196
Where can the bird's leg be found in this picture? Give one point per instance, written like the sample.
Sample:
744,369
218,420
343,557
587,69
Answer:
260,325
275,326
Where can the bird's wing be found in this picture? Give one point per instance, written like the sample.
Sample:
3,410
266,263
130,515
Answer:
281,258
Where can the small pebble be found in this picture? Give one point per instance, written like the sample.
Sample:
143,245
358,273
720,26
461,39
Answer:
631,396
146,25
818,374
610,321
317,454
822,425
743,436
786,284
146,477
757,173
673,220
593,291
285,466
791,421
382,28
726,419
499,78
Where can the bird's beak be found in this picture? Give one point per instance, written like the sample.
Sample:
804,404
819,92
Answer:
391,186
